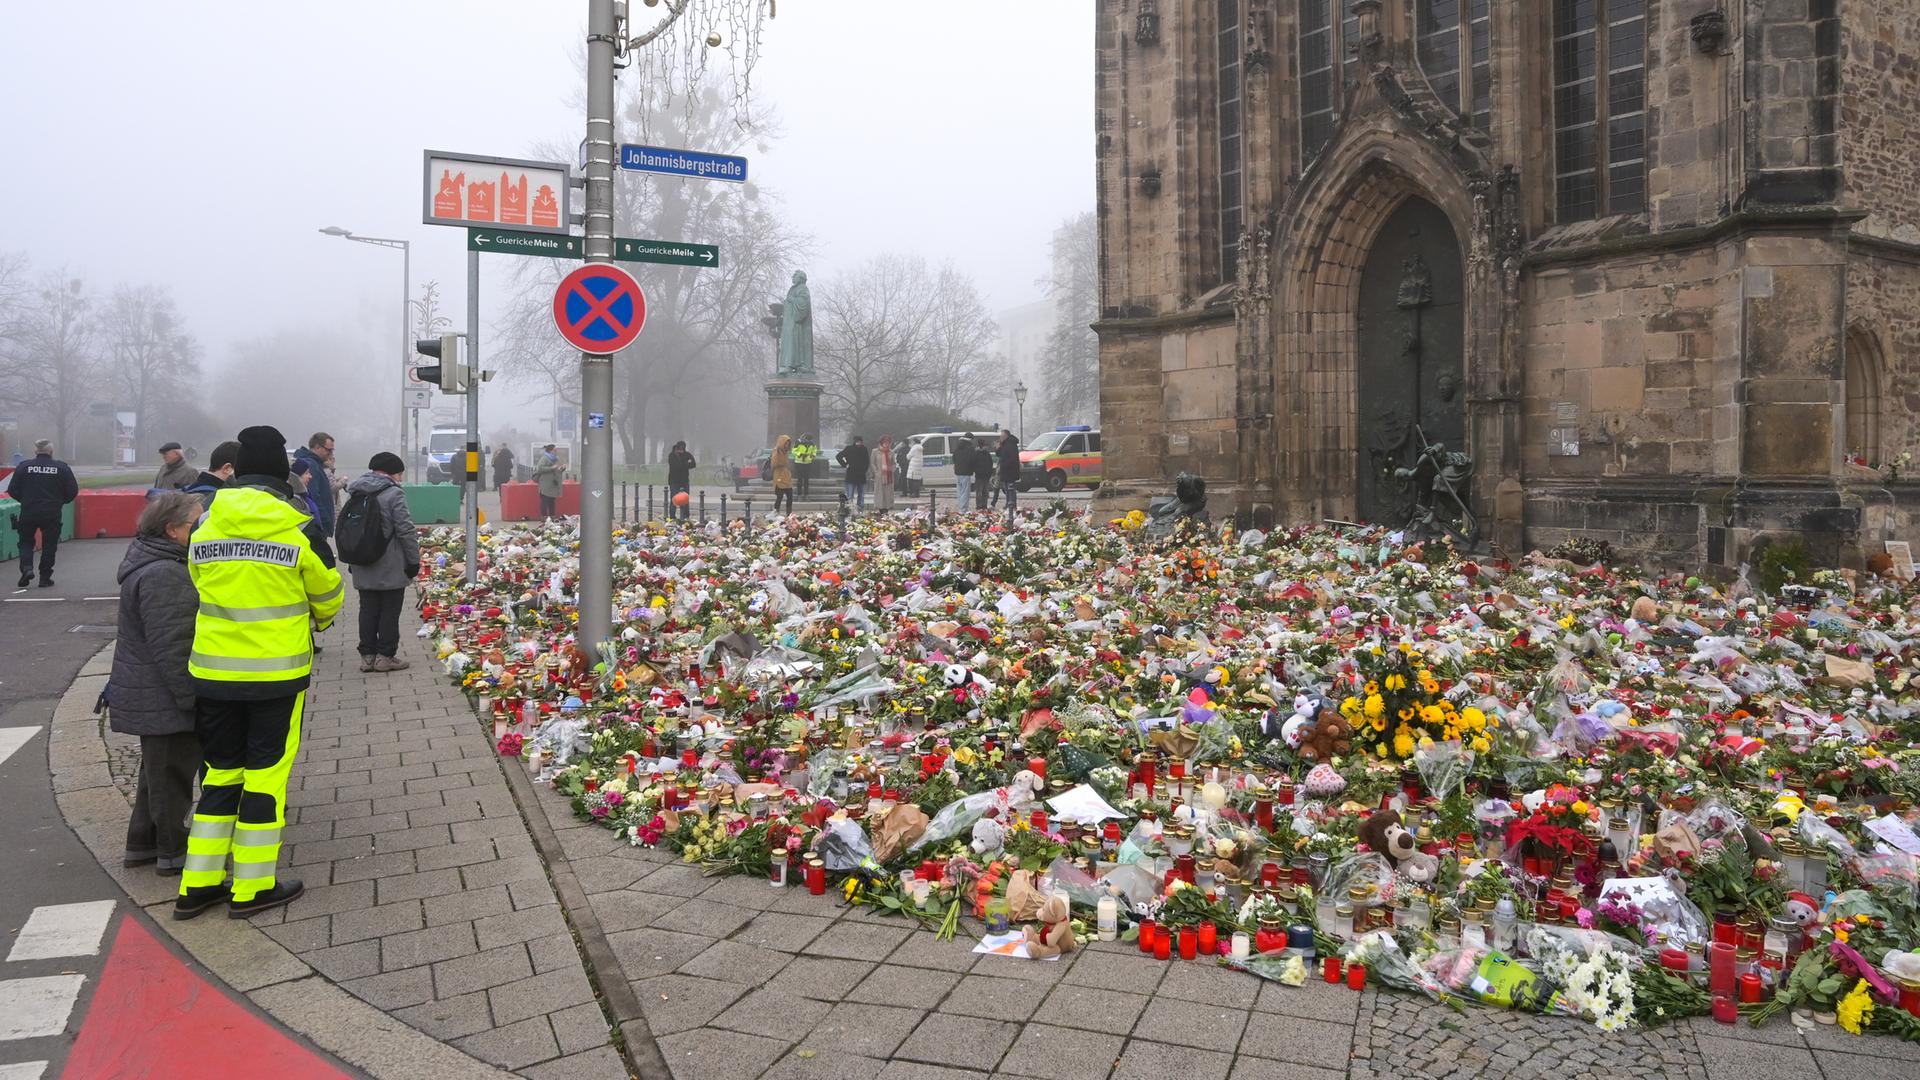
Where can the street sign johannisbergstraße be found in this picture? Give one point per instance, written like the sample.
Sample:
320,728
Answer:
670,252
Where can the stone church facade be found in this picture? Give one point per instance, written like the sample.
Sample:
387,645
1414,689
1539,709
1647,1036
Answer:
1654,264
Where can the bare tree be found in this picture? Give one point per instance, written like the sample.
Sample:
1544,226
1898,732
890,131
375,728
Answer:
961,367
1071,358
698,363
52,365
874,322
154,363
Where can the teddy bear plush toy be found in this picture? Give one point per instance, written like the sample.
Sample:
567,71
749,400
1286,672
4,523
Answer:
1055,934
1329,736
1384,833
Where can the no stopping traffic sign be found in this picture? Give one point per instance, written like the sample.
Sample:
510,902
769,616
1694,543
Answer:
599,308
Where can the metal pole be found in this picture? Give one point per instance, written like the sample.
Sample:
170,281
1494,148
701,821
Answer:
596,372
470,513
406,348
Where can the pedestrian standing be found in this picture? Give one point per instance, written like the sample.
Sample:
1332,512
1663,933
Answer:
174,473
252,660
384,559
916,469
962,472
311,485
899,472
149,693
43,485
856,459
1009,454
805,453
985,465
680,466
883,473
781,465
502,467
318,453
547,474
219,473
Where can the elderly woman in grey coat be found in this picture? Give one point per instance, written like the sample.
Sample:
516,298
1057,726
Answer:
150,693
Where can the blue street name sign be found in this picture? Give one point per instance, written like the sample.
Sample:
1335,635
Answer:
694,163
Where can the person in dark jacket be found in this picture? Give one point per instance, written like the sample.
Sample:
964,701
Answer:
150,693
218,474
856,459
985,464
1008,453
502,467
313,485
963,454
680,466
43,485
382,585
317,455
174,472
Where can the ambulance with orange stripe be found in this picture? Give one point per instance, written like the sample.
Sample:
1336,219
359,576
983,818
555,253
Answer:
1065,455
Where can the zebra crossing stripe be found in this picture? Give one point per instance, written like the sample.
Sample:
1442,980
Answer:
13,738
30,1008
63,930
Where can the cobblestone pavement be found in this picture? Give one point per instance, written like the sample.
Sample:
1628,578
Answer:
425,897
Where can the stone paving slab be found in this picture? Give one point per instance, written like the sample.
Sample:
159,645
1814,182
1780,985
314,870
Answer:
426,899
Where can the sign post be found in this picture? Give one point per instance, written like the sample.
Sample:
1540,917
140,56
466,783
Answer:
509,242
668,252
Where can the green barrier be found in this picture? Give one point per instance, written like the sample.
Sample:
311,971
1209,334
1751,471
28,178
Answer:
433,504
9,535
66,522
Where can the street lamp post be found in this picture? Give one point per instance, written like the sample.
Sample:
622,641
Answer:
406,338
1020,398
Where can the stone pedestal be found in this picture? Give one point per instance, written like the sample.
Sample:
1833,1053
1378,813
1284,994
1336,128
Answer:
793,408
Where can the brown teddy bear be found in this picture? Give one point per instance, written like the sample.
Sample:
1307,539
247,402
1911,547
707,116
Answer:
1329,736
1055,936
1384,834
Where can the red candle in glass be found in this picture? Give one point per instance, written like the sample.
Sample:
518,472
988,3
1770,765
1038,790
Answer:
1146,936
816,879
591,783
1039,821
1263,813
1749,988
1163,945
1285,795
1674,961
1037,766
1270,876
1189,945
690,758
1330,968
1209,939
1724,1010
1356,976
1910,997
1725,929
1720,970
1148,777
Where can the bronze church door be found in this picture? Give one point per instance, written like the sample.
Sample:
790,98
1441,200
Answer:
1411,336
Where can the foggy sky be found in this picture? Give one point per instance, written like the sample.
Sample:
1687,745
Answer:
200,145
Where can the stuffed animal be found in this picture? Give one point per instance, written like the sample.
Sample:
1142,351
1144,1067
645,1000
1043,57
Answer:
1055,935
989,837
1804,910
1384,833
1328,737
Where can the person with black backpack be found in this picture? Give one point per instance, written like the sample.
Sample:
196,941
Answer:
381,548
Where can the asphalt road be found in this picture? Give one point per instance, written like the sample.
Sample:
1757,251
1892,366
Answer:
66,921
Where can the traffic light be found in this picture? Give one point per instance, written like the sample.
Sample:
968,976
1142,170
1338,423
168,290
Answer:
450,375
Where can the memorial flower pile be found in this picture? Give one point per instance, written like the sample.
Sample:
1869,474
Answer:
1543,784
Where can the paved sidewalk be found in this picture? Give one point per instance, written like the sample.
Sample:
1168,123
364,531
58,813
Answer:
425,898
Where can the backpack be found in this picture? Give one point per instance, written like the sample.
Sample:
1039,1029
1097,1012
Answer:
360,532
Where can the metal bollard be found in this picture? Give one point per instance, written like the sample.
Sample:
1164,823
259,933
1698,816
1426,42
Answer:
746,513
933,503
723,509
703,506
623,502
649,502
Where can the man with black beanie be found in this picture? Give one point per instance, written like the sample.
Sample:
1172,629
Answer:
377,514
252,660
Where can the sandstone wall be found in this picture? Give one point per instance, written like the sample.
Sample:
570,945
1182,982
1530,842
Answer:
1880,114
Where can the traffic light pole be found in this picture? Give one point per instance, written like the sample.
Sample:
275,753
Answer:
596,371
470,512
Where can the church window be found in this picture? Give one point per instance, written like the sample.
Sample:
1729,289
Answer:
1457,58
1329,55
1232,144
1863,398
1599,107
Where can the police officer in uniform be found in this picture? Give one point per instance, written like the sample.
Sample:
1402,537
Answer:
43,485
260,583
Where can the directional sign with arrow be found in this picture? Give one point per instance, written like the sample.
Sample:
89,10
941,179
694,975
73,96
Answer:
670,252
510,242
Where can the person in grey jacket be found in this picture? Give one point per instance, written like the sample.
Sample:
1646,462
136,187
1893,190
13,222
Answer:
550,475
150,693
382,585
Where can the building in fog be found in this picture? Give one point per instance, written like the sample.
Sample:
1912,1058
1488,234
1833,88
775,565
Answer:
1654,263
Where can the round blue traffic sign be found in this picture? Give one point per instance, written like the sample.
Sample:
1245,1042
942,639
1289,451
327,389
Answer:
599,309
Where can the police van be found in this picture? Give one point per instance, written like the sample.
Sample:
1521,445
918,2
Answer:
936,465
1065,455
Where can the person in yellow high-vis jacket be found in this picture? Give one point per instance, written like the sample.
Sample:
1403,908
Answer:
260,583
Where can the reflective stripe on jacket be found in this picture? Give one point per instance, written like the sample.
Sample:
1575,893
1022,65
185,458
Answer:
259,582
